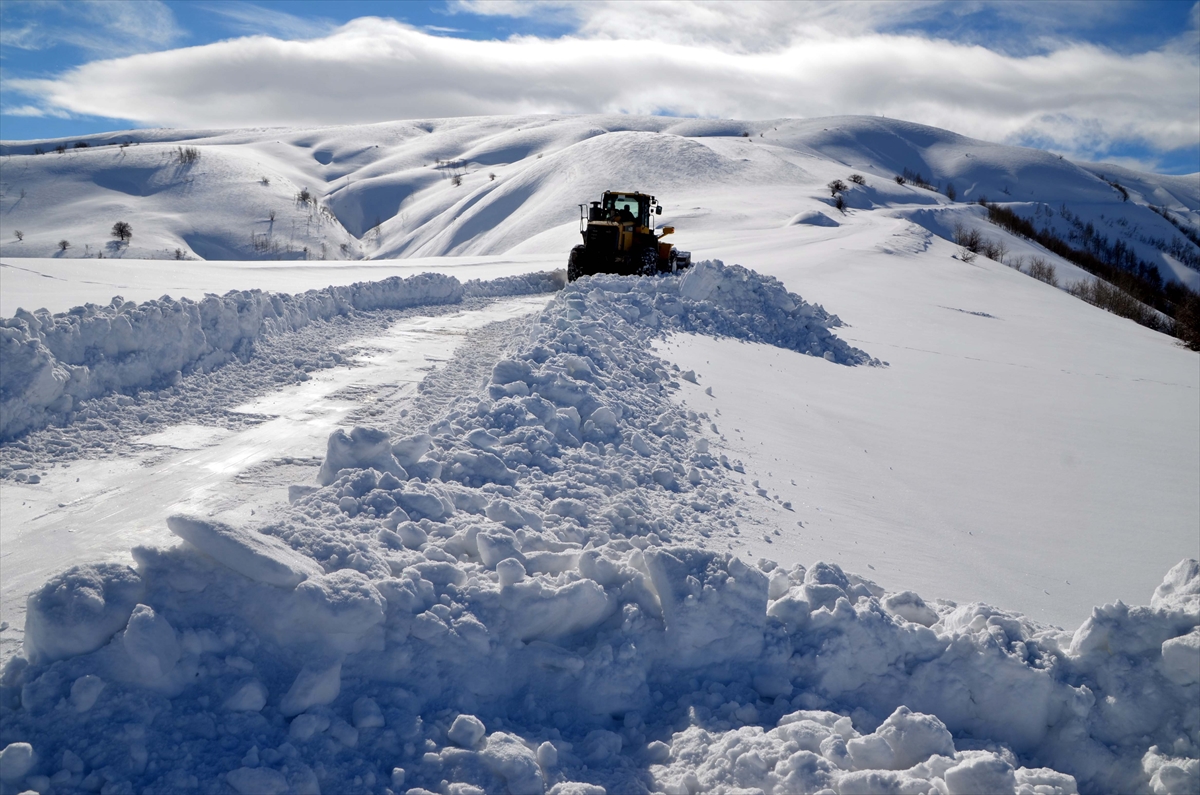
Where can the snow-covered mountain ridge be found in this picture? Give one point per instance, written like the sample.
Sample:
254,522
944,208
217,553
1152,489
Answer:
493,185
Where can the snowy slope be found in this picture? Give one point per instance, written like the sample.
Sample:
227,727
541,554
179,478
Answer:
387,190
549,582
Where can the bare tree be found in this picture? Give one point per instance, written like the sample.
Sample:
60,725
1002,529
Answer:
63,245
19,235
122,231
836,187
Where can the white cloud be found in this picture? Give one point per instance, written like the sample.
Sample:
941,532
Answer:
250,19
1023,26
1078,98
35,112
101,27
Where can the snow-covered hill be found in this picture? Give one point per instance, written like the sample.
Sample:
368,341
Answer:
660,535
498,185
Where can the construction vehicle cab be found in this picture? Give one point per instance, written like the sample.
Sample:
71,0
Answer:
619,237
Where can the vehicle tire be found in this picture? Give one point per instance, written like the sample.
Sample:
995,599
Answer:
649,263
575,264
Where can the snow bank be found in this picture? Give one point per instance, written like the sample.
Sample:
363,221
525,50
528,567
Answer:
540,606
812,218
52,362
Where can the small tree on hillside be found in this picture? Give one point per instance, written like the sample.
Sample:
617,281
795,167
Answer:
63,245
122,231
836,187
19,234
951,193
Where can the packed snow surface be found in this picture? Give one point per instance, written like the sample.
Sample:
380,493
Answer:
412,525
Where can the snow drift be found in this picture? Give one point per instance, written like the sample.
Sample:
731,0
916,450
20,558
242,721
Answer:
527,597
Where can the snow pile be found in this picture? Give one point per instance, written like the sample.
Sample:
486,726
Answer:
51,362
530,597
521,284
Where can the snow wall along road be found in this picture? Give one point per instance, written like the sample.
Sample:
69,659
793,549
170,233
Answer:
52,362
526,599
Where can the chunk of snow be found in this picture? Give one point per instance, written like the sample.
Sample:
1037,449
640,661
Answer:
466,731
318,682
79,610
151,643
360,449
259,557
16,760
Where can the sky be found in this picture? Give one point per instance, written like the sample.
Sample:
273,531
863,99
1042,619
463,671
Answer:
1106,81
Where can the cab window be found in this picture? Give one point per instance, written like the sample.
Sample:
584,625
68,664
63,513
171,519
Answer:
630,204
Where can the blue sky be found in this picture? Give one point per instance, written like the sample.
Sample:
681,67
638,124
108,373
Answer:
1103,80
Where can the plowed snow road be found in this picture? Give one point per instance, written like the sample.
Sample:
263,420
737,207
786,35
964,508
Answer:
98,509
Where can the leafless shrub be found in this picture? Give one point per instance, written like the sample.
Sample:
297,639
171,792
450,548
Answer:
271,215
951,192
858,179
122,231
969,239
187,155
19,235
63,245
899,179
492,177
265,181
304,197
1106,296
456,180
840,203
1044,272
836,187
917,178
994,249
